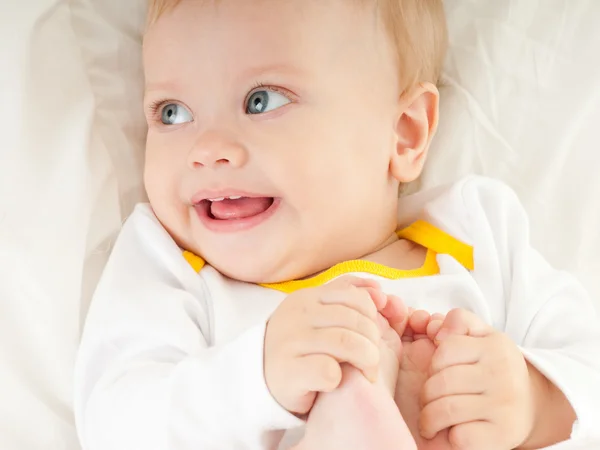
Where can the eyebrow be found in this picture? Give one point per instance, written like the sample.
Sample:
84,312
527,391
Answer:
284,69
248,73
160,86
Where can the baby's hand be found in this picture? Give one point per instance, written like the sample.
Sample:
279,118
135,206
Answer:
479,387
314,331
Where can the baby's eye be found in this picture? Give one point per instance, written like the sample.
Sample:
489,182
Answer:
260,102
174,114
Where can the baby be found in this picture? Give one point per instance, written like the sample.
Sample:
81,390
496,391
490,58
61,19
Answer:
259,292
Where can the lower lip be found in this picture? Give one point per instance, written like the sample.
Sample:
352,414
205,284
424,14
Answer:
233,226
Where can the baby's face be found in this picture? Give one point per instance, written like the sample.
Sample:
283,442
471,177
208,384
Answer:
288,110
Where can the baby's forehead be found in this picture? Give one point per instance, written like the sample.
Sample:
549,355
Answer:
291,33
298,23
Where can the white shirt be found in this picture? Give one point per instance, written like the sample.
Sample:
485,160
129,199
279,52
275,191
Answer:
173,359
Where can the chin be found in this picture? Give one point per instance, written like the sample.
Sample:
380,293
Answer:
248,273
266,272
253,270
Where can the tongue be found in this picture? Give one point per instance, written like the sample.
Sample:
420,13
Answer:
240,209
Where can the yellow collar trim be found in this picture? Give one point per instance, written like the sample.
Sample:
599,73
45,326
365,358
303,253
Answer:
432,238
423,233
195,261
429,268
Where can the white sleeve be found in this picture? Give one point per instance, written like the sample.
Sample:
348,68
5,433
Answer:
544,310
146,376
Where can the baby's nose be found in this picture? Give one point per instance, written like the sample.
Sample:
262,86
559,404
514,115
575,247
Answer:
214,150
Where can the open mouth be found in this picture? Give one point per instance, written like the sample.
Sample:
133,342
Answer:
238,208
235,212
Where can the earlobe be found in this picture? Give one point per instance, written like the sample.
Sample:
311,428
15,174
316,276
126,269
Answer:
416,125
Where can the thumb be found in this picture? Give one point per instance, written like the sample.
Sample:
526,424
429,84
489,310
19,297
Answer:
463,323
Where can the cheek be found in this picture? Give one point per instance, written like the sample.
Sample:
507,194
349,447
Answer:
160,173
152,175
162,185
290,151
316,153
308,158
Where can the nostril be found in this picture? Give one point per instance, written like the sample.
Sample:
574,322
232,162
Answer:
218,162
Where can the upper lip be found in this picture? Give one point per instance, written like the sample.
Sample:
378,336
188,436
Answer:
221,194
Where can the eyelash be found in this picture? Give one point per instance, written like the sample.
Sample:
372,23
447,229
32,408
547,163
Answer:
155,107
256,87
267,87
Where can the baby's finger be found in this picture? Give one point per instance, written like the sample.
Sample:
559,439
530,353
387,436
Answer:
389,337
475,436
349,280
451,411
357,299
457,350
379,299
463,322
318,373
455,380
408,335
396,313
418,322
340,316
433,328
305,376
344,346
382,324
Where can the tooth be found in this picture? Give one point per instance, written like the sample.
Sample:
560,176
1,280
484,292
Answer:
235,197
219,199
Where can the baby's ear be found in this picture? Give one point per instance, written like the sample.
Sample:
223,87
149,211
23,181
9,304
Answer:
416,125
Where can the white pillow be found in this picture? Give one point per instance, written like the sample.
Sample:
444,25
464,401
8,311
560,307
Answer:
70,172
521,105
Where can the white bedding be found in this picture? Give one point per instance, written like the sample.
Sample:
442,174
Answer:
522,104
71,148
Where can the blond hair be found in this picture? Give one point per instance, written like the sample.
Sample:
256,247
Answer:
159,7
418,28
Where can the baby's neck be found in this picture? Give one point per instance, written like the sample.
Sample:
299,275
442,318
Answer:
398,254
